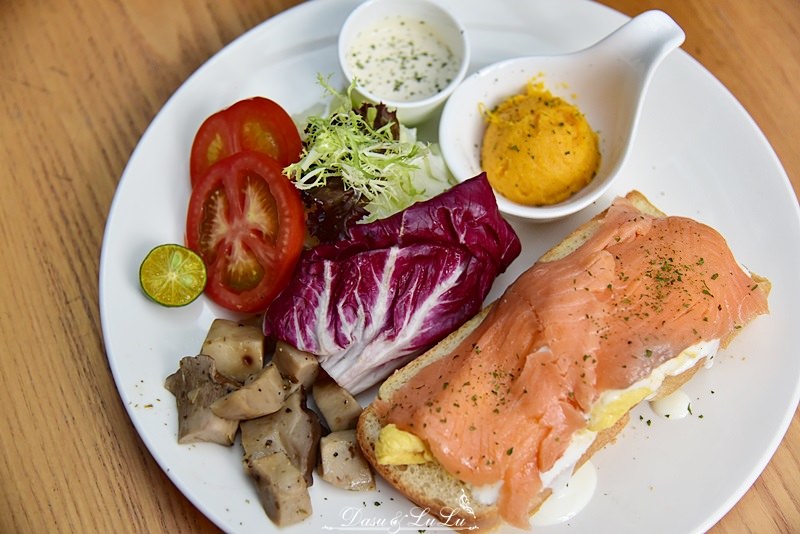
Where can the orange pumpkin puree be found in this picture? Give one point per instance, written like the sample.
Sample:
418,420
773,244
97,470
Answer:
538,149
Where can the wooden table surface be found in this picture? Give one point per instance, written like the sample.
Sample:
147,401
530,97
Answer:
80,83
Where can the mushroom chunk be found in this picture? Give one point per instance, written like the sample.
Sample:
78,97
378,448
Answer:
262,393
296,364
342,464
294,430
238,348
281,488
196,385
337,406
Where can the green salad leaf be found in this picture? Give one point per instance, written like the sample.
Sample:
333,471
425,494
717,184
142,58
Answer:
386,173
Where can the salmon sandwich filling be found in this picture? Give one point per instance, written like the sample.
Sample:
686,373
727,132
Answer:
503,406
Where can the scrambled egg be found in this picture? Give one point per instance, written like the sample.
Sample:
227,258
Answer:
538,149
398,447
605,414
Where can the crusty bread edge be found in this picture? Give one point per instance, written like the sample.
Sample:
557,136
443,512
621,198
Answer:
405,478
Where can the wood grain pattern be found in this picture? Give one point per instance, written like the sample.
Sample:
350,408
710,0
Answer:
79,84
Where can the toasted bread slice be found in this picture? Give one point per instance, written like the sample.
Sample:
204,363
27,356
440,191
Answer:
428,484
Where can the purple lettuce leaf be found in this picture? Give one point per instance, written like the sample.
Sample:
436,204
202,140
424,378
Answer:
390,289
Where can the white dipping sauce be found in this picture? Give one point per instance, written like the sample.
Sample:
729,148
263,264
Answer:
402,59
673,406
566,502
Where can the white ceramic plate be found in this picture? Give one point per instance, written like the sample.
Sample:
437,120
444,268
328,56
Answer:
698,154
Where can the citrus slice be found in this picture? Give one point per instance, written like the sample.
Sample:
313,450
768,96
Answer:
172,275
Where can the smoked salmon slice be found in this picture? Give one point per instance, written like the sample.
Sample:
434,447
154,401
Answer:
504,404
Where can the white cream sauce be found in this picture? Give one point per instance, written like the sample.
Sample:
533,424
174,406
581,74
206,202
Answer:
402,59
566,502
676,405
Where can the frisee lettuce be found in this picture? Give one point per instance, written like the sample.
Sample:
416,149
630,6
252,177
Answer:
388,174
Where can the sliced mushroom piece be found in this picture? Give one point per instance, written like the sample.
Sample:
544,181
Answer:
294,429
337,406
196,385
296,364
237,347
281,488
262,393
342,464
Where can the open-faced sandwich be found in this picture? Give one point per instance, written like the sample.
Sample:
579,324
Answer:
626,308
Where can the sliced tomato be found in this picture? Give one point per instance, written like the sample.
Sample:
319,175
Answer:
245,219
257,124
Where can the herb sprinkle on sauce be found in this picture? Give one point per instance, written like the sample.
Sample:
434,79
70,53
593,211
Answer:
402,59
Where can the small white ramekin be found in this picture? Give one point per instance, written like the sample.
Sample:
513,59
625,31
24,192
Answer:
449,29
